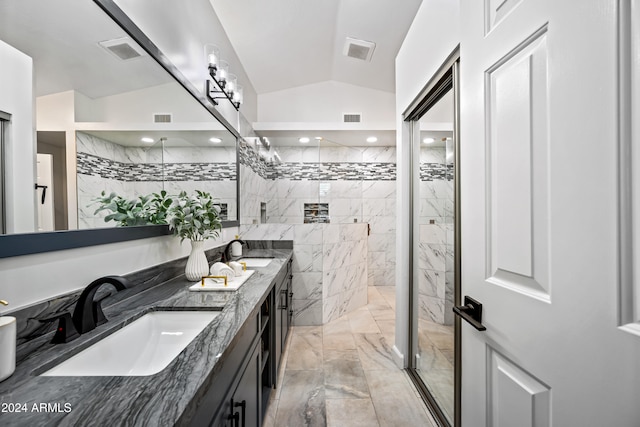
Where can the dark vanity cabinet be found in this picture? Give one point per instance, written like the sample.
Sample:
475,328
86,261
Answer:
238,385
242,408
283,315
239,393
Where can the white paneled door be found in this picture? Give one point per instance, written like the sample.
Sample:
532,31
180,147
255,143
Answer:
543,224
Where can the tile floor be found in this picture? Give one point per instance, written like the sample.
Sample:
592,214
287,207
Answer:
435,366
342,374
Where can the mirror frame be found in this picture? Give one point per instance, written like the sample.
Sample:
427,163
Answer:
39,242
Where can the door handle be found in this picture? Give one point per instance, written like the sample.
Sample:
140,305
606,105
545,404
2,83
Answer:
242,405
235,419
471,311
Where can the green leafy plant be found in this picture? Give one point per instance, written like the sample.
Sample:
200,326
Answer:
194,217
144,210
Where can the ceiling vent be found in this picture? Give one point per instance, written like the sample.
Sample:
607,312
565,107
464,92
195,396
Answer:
123,48
162,118
351,117
359,49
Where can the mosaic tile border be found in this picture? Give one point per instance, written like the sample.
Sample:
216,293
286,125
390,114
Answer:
88,164
436,172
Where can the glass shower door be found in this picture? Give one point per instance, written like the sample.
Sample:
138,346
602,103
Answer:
435,318
433,273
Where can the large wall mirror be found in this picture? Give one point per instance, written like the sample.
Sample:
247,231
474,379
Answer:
108,118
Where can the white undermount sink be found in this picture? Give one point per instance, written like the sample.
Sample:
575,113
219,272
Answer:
144,347
256,262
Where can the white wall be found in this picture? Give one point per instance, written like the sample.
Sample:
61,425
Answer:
55,112
325,102
433,35
16,98
139,106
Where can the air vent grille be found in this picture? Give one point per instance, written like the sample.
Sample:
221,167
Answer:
352,117
162,118
124,51
358,49
123,48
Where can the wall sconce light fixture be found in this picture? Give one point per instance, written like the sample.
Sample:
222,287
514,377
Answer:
222,84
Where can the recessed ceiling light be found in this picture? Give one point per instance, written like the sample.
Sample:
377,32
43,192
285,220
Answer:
215,140
318,138
147,140
372,139
428,140
304,140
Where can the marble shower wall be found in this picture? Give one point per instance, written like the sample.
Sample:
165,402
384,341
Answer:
329,267
131,171
344,269
255,185
435,262
359,183
330,260
210,169
101,166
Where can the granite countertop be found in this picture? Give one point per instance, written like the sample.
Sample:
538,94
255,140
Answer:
27,399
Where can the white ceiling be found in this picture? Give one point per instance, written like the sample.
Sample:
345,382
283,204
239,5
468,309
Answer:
62,38
348,138
182,138
289,43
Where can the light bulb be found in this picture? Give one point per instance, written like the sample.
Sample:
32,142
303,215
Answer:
223,72
213,56
232,80
238,95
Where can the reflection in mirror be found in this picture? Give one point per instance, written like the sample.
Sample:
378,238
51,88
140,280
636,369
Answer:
133,163
434,254
96,91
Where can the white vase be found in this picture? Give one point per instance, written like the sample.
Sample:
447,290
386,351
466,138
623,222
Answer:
197,265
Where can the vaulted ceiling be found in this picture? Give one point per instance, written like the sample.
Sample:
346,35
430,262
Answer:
289,43
62,38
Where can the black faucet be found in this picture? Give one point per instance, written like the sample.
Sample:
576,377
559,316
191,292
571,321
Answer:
88,313
225,257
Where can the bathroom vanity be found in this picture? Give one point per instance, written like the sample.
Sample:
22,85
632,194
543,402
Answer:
223,377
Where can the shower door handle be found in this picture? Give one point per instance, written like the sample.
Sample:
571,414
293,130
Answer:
471,311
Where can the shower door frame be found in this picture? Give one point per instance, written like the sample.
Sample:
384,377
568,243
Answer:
446,78
5,120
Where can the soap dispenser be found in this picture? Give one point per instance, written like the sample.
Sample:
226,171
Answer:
7,345
236,248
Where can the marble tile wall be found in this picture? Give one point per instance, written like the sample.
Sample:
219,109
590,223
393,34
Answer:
132,171
329,267
344,269
322,289
366,200
435,258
